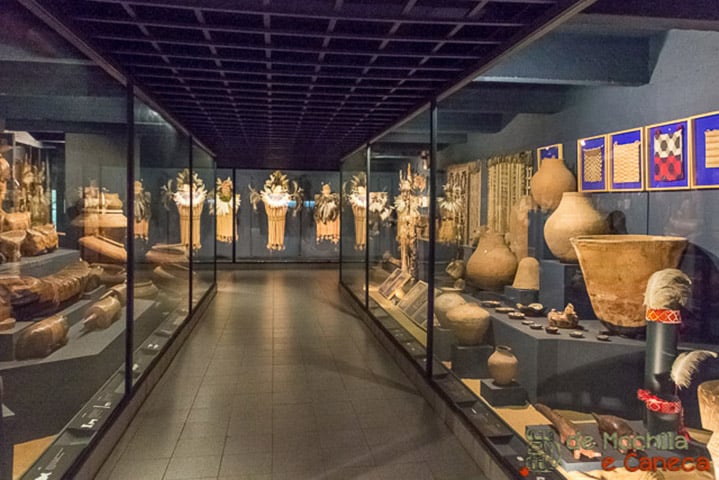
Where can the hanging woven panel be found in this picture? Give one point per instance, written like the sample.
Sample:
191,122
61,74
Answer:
592,161
711,144
667,155
626,161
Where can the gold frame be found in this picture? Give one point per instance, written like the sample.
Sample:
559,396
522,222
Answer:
692,179
689,161
580,164
560,149
642,163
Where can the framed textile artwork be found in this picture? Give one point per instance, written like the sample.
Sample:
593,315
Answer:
626,160
550,151
705,149
667,157
592,164
417,293
386,288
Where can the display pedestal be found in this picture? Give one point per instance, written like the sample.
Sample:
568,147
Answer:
521,295
501,396
563,283
537,247
444,339
471,361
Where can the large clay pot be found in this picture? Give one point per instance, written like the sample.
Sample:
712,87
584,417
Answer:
549,183
469,322
575,216
492,265
446,302
503,366
616,269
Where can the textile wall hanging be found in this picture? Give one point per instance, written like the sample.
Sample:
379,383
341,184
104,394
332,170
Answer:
278,195
592,156
668,156
327,215
705,130
189,195
355,193
474,200
226,207
507,178
142,211
625,160
458,177
407,205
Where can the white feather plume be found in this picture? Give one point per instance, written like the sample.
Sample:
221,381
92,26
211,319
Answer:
668,288
686,364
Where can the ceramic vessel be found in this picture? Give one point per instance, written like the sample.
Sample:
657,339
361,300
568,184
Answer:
527,277
575,216
708,395
492,265
503,365
446,302
549,183
616,269
469,322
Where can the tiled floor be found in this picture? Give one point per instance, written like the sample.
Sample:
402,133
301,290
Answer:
282,381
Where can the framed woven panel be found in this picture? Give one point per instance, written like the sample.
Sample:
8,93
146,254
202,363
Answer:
705,148
549,151
625,160
592,164
667,157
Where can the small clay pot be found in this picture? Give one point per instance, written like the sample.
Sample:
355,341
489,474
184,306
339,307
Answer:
503,366
527,277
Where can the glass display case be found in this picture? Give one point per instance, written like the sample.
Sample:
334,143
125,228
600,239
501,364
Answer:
574,254
84,168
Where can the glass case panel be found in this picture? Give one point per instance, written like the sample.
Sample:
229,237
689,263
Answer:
398,232
63,257
596,257
228,203
354,227
162,233
203,266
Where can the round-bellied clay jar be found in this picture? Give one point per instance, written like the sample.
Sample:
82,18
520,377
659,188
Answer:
469,322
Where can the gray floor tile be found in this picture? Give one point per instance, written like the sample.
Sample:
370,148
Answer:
284,382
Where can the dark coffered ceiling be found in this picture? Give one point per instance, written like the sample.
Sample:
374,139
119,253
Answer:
281,83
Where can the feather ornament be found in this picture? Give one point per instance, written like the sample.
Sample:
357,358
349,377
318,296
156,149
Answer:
686,365
667,289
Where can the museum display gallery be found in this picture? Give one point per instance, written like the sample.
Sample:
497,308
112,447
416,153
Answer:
536,242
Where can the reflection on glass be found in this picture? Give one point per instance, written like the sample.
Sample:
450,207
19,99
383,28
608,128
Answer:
353,228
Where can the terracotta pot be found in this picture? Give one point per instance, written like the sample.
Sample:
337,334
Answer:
527,277
446,302
575,216
708,395
549,183
616,269
492,265
503,365
469,322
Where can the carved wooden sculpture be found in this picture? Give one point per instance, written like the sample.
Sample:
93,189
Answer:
106,311
97,248
566,429
39,239
42,338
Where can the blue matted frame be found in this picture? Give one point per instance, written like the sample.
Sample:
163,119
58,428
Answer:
626,137
584,144
653,180
705,171
549,151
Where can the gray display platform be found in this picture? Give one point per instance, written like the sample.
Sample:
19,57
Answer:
42,264
470,361
563,283
521,295
502,396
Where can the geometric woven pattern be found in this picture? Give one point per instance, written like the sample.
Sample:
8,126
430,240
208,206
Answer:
593,164
626,160
667,155
711,144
